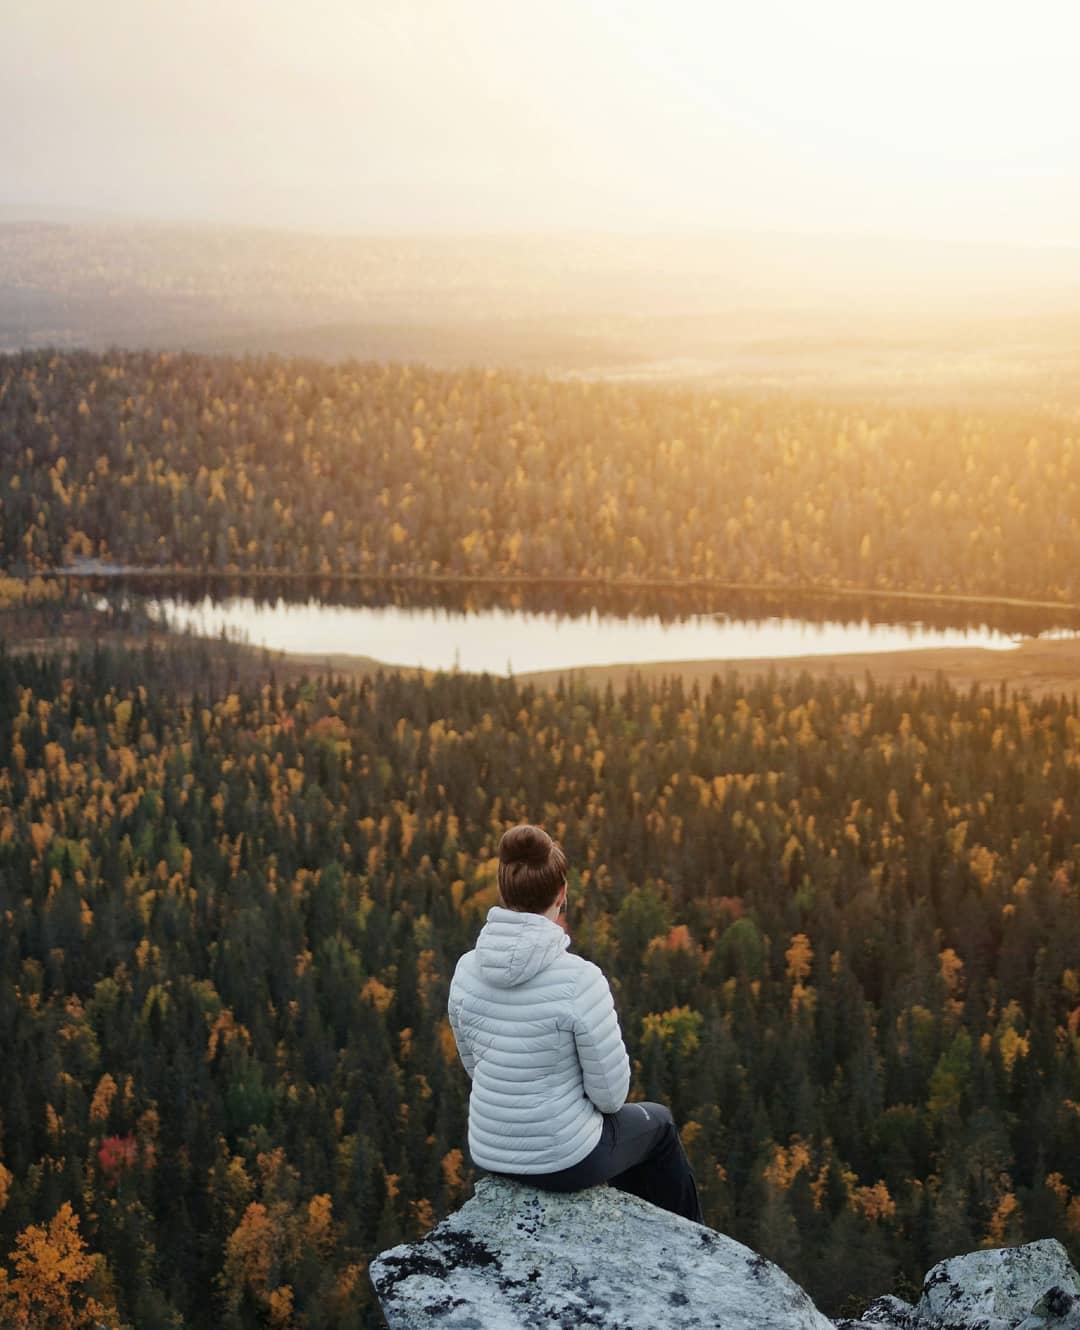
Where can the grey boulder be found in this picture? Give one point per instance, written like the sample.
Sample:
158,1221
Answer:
514,1257
995,1290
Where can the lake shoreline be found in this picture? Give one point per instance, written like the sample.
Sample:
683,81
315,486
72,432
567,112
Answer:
1041,668
89,569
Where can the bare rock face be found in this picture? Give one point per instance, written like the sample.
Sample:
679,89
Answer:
1000,1290
514,1257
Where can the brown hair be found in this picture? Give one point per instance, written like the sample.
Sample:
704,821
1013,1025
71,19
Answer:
532,869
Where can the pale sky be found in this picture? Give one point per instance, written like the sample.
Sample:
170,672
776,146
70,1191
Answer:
947,118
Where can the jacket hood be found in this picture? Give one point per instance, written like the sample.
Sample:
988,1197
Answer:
514,945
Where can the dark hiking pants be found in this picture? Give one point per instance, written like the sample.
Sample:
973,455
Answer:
639,1151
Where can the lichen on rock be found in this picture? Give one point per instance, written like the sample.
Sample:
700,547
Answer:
994,1290
515,1257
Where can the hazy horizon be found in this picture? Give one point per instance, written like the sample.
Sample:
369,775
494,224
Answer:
14,212
952,125
778,196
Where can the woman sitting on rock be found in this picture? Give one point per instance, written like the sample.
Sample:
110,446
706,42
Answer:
537,1032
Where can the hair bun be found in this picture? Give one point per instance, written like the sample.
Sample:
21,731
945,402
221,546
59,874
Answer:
525,845
532,869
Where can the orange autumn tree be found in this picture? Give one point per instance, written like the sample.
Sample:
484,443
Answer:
47,1287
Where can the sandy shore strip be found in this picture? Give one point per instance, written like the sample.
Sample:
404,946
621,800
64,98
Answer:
1041,667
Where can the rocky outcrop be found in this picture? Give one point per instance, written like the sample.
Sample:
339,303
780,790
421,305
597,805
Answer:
514,1257
994,1290
1008,1288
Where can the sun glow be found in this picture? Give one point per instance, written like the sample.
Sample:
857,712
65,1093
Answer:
949,119
954,117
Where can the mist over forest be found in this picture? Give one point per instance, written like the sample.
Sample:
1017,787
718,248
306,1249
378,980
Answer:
906,318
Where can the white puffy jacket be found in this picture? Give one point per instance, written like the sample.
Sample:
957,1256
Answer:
537,1032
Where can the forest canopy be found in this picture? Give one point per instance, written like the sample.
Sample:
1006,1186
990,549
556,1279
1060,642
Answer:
841,927
243,465
841,922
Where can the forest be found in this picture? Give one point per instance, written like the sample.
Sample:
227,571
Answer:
287,467
842,926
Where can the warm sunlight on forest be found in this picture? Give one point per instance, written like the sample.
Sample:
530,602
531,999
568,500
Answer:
184,462
731,355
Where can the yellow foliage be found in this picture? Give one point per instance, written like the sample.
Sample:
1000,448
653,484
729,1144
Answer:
320,1221
787,1163
680,1027
1004,1217
224,1031
952,970
281,1306
1012,1045
799,957
51,1265
447,1043
122,718
377,994
250,1249
453,1171
103,1099
983,863
873,1203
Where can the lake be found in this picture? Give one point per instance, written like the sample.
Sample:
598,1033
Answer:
500,640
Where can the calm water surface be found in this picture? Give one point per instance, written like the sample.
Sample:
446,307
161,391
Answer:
519,641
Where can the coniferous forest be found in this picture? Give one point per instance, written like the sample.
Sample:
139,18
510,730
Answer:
185,461
842,921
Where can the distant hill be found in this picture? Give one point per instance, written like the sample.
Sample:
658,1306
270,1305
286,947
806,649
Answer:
896,316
